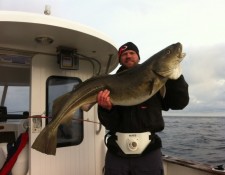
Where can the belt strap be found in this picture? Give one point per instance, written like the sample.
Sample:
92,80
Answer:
110,134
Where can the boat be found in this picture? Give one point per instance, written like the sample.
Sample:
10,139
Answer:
41,58
177,166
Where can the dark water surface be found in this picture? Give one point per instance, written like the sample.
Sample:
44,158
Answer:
200,139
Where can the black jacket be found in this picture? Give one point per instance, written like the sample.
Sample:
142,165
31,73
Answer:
146,116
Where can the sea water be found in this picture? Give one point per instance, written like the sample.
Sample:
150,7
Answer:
200,139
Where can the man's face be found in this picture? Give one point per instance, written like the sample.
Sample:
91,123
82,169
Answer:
129,59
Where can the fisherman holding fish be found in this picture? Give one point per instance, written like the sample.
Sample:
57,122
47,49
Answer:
134,148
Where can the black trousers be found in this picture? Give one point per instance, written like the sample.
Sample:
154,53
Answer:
149,164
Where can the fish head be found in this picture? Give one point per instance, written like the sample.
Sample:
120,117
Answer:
166,63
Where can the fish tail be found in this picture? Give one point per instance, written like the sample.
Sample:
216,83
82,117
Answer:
46,141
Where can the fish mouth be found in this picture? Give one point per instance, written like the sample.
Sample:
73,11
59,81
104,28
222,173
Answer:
180,55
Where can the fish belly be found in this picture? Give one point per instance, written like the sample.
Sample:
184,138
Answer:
130,101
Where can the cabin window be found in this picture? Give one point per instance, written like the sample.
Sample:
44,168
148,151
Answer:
15,99
70,133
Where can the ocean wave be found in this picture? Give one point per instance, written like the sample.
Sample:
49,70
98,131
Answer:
195,138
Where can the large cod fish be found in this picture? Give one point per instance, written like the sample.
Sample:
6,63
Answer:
129,87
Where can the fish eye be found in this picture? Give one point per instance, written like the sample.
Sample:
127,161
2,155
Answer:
168,51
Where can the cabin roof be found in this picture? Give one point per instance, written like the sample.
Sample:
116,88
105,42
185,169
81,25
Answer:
19,30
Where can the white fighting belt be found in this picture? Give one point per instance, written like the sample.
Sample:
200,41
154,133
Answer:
133,143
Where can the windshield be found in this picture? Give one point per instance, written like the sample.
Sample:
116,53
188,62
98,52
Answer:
15,98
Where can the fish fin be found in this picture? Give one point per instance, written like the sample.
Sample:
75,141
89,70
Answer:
162,91
88,106
58,102
46,141
151,85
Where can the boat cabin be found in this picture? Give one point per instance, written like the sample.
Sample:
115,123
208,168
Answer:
41,58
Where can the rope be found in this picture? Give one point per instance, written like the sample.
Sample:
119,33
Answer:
82,120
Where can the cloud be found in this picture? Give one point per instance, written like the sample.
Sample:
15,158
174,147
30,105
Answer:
203,69
153,25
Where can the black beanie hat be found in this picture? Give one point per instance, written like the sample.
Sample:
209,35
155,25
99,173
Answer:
128,46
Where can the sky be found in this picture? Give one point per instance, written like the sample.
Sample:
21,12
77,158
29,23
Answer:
152,25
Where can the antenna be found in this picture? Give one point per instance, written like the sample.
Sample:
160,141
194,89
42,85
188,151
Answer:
47,10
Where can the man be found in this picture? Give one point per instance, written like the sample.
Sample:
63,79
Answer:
144,119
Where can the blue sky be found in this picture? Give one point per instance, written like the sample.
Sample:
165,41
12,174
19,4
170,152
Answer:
152,25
